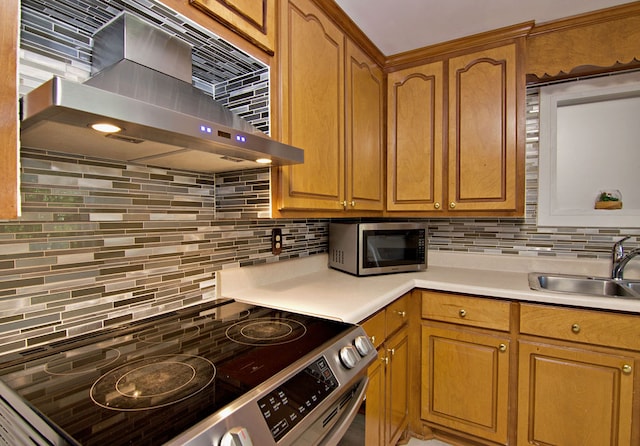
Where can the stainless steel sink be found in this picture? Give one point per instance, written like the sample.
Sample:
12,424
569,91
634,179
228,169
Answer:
593,286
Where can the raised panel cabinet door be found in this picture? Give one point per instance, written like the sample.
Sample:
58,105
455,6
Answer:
374,403
397,385
9,19
573,397
414,138
465,381
364,131
482,130
255,20
312,76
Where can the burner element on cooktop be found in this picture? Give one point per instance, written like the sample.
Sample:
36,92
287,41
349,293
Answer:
266,331
153,382
82,360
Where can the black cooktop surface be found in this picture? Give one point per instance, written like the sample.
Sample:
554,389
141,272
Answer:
149,381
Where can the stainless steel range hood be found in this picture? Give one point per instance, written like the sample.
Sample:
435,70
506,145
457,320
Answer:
142,84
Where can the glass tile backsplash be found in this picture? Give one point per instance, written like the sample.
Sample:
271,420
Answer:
103,242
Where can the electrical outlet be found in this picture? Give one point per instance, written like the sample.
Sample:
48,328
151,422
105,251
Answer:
276,241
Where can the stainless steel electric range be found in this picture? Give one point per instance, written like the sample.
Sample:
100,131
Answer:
211,374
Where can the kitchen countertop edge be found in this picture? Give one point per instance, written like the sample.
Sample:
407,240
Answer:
307,285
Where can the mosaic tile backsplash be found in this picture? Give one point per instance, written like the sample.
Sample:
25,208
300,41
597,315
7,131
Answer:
102,242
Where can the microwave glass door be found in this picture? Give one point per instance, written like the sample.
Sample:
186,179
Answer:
392,247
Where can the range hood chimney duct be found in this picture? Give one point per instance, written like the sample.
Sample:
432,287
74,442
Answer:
141,83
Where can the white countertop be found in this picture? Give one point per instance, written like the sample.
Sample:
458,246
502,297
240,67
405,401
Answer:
306,285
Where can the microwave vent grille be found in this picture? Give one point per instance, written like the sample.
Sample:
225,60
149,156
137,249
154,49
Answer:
337,256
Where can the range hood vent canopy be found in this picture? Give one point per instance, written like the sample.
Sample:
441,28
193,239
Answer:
141,82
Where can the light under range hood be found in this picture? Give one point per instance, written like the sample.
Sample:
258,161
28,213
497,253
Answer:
141,83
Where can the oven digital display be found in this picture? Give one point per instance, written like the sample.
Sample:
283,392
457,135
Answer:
288,404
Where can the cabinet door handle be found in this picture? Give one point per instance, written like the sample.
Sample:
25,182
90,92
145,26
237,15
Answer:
352,203
436,205
502,347
575,328
385,360
626,369
392,351
344,204
452,205
401,313
462,312
373,340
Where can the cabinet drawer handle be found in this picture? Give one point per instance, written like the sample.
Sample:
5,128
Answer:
626,369
502,347
401,313
575,328
462,312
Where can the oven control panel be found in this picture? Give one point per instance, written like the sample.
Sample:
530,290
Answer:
289,403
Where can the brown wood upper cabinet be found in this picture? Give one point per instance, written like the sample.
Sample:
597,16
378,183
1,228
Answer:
321,71
254,20
9,21
453,143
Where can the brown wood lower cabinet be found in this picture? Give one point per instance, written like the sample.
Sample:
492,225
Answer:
577,377
574,397
466,382
465,366
387,401
495,371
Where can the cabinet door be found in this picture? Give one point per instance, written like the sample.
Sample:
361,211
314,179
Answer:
364,144
312,79
397,385
374,403
254,20
9,19
414,140
573,397
465,381
483,92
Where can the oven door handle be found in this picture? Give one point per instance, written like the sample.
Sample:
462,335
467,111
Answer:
336,433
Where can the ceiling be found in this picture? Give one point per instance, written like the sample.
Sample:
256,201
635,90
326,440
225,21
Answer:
396,26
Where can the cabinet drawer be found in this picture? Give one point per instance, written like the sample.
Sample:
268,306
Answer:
472,311
589,326
375,328
397,314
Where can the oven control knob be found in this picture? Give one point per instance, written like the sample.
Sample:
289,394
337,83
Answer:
349,356
236,436
363,345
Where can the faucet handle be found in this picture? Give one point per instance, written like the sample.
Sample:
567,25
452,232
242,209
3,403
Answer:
618,250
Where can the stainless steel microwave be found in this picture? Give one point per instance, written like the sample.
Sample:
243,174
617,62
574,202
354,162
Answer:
365,249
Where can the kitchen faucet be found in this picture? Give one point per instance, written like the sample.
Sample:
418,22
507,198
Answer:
619,259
